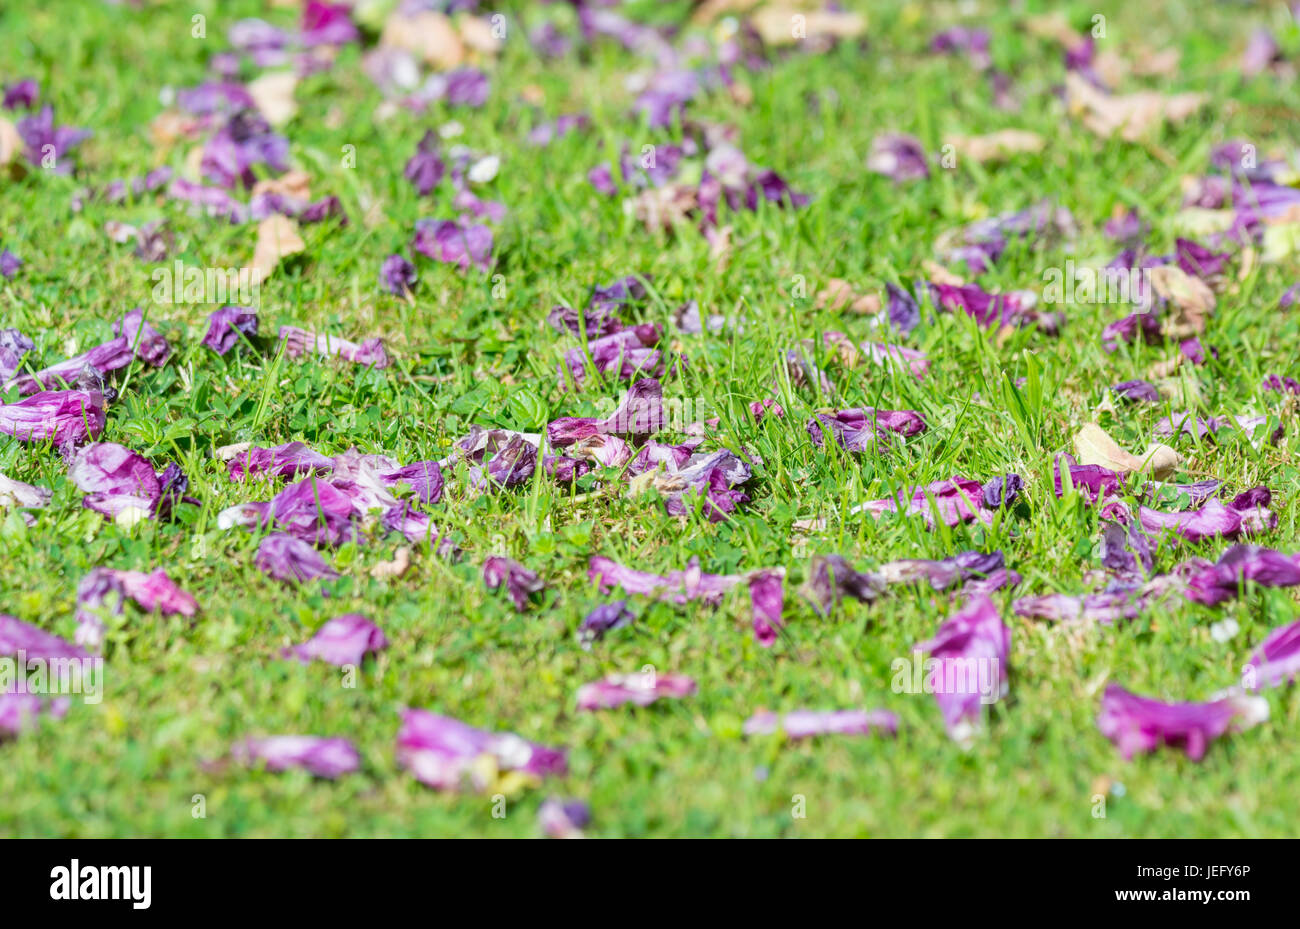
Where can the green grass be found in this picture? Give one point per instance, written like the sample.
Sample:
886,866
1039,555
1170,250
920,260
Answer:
178,693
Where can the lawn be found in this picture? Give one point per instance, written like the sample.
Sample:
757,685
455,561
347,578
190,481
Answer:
473,346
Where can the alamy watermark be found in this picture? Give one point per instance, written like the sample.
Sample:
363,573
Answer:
53,676
222,286
629,414
969,676
1085,284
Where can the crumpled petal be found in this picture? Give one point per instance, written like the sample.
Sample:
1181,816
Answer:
970,650
858,430
1276,661
226,325
1225,579
323,757
675,586
150,592
767,604
20,712
298,342
640,689
563,819
988,571
67,417
286,558
1140,724
343,640
956,500
831,578
520,583
288,460
803,724
17,636
443,753
602,619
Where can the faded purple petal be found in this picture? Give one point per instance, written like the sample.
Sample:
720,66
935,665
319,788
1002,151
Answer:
443,752
322,757
344,640
226,325
804,724
520,583
767,605
971,650
299,342
638,689
286,558
1139,724
64,416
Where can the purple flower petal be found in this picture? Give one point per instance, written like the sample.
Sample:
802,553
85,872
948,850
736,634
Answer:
17,636
226,325
320,756
898,156
804,724
675,586
970,665
154,591
1225,579
299,342
443,752
520,583
344,640
397,275
1139,724
286,558
454,243
639,689
604,618
767,604
1277,660
64,416
831,578
1136,391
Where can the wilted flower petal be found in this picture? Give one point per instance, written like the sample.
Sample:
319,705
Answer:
520,583
320,756
1140,724
803,724
286,558
640,689
969,653
1225,579
443,752
344,640
226,325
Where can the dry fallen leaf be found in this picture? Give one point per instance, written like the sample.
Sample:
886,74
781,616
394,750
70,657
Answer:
662,208
839,294
11,143
997,146
1054,26
476,33
1095,447
720,248
938,274
272,93
290,184
777,25
1132,116
1192,301
710,10
395,568
277,238
429,35
1163,63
